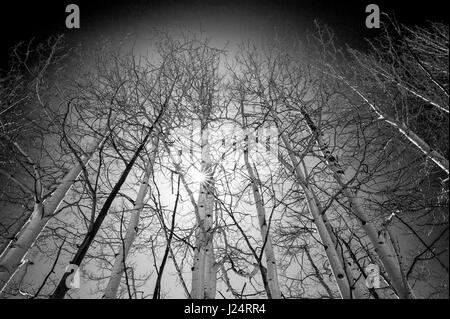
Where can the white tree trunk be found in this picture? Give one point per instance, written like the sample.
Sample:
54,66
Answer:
204,270
382,247
14,254
272,276
42,213
435,156
355,288
131,232
330,249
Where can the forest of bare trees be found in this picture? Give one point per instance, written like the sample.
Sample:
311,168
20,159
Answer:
290,170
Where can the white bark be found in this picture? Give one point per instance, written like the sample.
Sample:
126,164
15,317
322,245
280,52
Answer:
42,213
354,286
435,156
382,247
204,270
14,254
272,276
131,232
330,249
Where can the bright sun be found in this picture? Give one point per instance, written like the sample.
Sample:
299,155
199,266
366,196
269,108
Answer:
198,176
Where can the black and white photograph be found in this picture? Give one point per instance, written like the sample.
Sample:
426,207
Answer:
236,156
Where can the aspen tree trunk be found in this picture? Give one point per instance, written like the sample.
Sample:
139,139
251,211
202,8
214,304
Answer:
355,288
423,146
15,290
42,213
272,276
318,274
204,270
16,229
131,232
384,251
333,256
157,290
61,288
396,248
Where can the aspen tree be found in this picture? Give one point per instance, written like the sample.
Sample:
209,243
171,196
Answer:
253,67
271,273
62,288
382,246
401,72
132,229
402,128
14,254
203,270
330,249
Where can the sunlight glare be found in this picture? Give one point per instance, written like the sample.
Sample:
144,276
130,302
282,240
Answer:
198,176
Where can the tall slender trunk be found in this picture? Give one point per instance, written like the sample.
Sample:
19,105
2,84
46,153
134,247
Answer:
354,287
318,274
330,250
346,260
131,232
14,254
271,273
16,229
272,276
62,289
157,290
401,127
384,251
204,271
318,137
396,249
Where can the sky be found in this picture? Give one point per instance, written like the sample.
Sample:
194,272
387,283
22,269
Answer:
225,21
23,20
